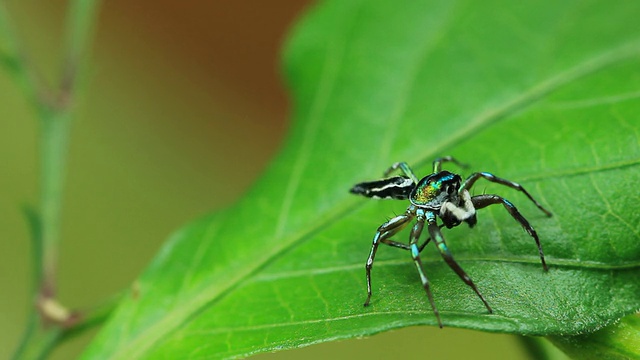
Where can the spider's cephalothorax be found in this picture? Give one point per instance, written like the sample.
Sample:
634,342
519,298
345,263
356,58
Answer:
443,195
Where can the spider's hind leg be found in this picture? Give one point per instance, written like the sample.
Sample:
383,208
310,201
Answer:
405,168
481,201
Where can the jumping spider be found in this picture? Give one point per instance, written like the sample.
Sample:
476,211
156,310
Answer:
443,195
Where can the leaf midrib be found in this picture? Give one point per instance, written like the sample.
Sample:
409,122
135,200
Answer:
166,325
556,262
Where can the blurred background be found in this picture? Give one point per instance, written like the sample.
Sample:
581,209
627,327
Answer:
183,107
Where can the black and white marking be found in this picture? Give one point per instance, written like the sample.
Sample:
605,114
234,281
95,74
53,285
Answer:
461,212
397,187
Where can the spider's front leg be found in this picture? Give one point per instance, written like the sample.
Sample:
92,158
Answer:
436,235
481,201
437,163
384,232
415,254
468,183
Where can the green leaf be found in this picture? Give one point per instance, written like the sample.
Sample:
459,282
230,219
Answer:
544,93
619,341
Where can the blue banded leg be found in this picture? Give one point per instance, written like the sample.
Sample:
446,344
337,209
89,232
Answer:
404,167
436,235
415,254
396,244
406,246
468,183
481,201
437,163
385,231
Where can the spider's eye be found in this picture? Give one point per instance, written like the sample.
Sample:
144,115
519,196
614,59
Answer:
451,189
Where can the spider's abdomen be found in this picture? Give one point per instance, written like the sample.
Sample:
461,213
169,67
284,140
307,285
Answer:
398,187
433,190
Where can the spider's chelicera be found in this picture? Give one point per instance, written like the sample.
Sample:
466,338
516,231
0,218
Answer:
443,195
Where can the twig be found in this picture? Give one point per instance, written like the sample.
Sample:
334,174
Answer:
18,65
50,321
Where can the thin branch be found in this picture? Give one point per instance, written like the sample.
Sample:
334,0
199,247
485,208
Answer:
50,321
81,19
18,65
93,317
